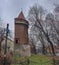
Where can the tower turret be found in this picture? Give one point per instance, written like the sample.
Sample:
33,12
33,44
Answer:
21,35
21,29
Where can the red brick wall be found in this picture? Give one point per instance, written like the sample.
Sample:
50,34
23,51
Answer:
21,33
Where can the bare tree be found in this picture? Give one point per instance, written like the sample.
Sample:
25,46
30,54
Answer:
52,29
32,43
36,36
35,15
1,37
56,15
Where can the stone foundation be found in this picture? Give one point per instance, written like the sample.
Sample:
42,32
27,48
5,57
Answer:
24,50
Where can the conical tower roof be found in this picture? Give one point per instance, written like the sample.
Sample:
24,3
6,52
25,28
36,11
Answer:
21,16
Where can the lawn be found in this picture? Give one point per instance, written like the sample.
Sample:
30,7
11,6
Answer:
40,60
33,60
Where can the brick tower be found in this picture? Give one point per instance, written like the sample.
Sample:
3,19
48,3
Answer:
21,32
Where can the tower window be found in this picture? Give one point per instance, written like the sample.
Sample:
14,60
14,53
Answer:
17,41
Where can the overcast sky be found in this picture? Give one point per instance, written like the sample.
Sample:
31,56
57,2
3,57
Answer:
9,9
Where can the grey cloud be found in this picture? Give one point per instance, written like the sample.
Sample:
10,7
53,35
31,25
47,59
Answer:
9,9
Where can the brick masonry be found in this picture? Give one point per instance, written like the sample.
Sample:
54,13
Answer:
21,36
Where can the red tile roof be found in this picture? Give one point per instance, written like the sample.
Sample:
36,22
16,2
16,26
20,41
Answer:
21,16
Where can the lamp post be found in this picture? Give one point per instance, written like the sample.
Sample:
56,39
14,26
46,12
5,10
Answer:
5,48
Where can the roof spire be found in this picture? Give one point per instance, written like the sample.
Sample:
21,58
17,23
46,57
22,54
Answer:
21,9
21,15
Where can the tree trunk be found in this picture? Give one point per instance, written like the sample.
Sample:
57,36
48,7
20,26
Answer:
47,37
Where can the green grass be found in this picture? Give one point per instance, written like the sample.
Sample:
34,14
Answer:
40,60
34,60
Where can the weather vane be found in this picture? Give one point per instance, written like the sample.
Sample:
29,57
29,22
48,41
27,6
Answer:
21,9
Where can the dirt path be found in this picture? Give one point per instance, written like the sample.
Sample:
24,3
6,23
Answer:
55,57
